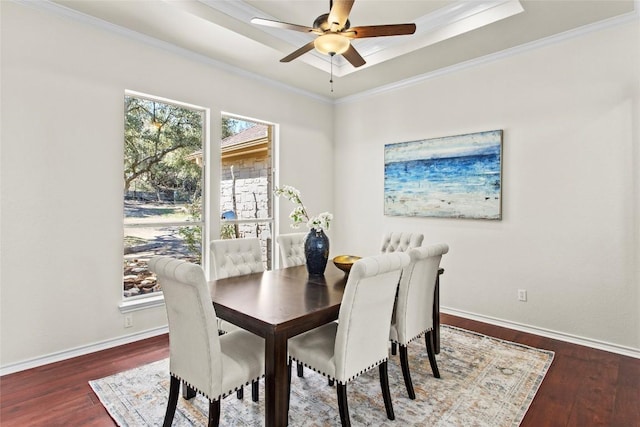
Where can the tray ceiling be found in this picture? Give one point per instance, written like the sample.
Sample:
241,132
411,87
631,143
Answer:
448,33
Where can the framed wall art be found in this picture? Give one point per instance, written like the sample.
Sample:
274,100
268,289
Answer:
451,177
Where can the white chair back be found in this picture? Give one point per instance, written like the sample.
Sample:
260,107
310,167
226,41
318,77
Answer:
236,257
363,324
292,249
194,344
414,310
400,241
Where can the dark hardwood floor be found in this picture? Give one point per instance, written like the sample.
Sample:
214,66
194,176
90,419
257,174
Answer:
584,387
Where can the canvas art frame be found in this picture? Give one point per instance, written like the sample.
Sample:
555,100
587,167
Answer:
457,176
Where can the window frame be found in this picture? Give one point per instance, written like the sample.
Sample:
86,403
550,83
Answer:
141,302
270,220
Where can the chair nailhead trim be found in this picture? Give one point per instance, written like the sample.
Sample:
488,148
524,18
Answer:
221,396
420,335
324,374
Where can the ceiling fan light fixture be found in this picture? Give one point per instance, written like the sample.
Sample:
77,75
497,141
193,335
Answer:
331,44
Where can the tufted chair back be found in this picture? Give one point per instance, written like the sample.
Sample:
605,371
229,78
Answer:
236,257
400,241
363,323
414,311
358,342
292,249
204,362
194,344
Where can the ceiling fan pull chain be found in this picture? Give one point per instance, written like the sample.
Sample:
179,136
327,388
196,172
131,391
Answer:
331,79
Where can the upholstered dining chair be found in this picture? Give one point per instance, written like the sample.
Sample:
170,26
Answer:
236,257
396,241
292,249
358,342
210,364
413,313
400,241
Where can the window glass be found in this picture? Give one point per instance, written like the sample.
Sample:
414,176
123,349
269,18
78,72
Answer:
163,187
245,182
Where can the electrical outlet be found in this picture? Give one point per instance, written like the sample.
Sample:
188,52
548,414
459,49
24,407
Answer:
128,321
522,295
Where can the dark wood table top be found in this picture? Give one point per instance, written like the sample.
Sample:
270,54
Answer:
287,301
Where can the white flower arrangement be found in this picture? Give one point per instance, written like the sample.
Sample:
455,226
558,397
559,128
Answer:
299,214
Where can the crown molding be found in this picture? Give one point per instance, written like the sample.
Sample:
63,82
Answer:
60,10
497,56
57,9
449,21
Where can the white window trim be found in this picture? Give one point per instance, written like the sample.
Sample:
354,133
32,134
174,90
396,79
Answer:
156,299
142,303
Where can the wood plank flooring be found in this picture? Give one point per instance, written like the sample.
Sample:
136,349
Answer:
584,387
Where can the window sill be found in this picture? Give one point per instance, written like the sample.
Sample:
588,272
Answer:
141,304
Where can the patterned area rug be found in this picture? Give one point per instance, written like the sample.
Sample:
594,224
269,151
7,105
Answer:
484,382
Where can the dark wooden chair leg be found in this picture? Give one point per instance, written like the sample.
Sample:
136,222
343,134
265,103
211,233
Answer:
393,348
289,387
174,391
255,392
188,392
214,413
404,362
343,406
240,393
300,370
435,337
431,352
386,394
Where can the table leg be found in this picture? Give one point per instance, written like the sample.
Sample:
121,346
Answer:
276,381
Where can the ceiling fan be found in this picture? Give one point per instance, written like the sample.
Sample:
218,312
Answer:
334,32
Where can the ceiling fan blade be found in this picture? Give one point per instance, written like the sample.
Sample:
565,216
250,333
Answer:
284,25
379,31
354,57
339,14
304,49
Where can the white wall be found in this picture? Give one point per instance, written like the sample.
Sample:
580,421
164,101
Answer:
569,234
570,227
63,84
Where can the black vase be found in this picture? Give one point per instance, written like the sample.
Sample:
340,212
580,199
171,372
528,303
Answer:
316,250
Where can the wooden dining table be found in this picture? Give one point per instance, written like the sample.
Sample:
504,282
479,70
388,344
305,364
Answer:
278,305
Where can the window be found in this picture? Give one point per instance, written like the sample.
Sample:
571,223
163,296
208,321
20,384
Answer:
163,187
246,182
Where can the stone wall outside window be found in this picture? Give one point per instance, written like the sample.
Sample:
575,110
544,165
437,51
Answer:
252,189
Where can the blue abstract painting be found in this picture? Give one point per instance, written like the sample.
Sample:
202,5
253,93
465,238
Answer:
453,177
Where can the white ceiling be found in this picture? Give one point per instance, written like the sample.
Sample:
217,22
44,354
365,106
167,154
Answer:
449,32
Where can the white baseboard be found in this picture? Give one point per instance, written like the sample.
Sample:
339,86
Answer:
103,345
560,336
81,351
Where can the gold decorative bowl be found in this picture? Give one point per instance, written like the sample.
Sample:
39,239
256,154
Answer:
345,262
